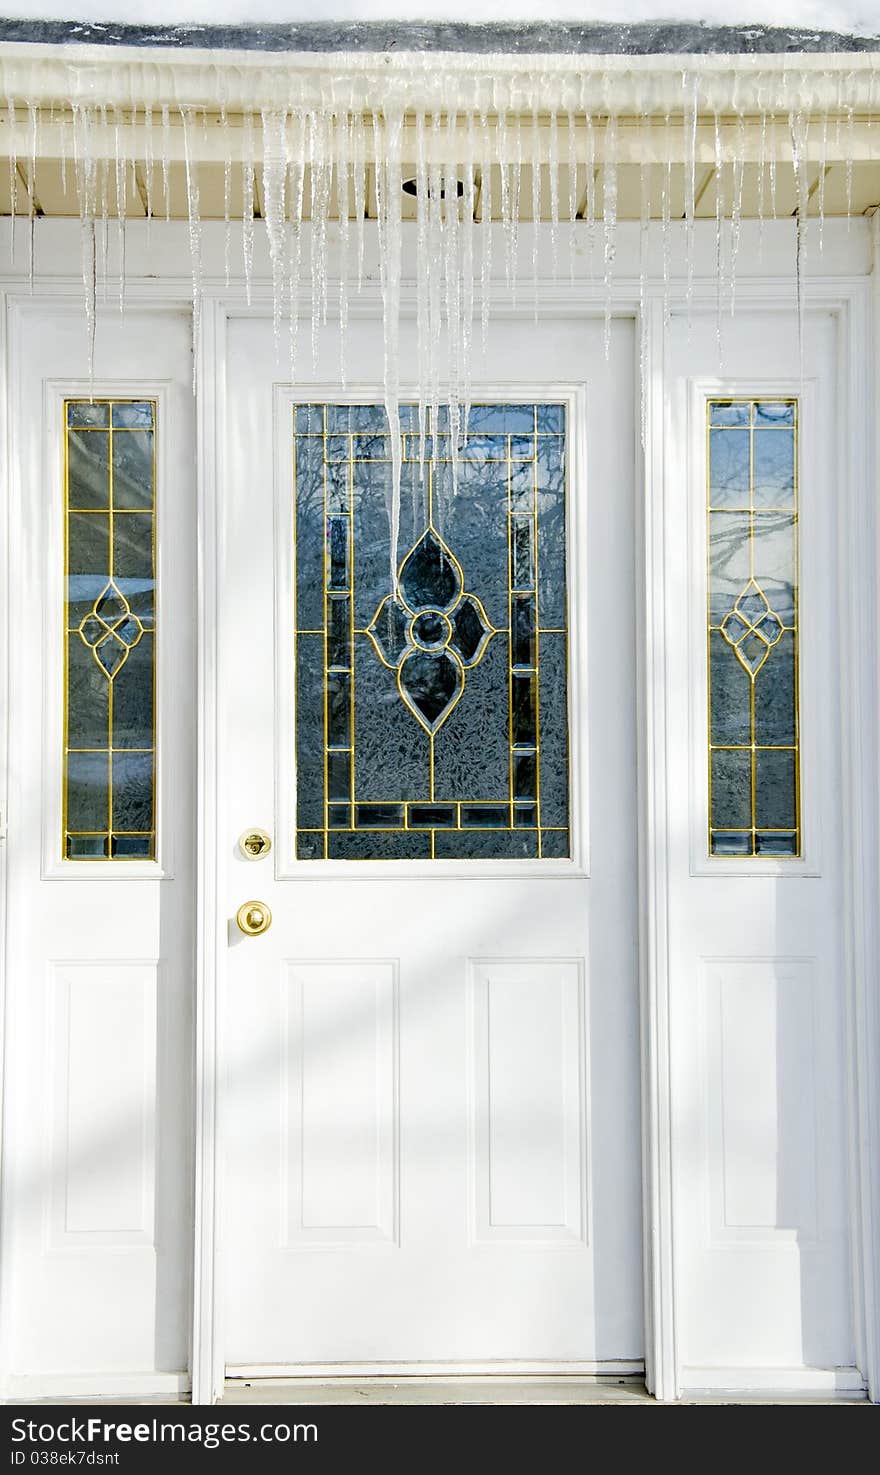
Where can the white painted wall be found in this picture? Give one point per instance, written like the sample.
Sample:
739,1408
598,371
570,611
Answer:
844,15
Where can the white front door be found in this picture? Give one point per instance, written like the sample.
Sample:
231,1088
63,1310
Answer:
431,1071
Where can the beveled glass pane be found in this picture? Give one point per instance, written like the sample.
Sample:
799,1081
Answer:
437,708
729,412
774,468
754,803
109,679
88,482
134,414
88,412
133,476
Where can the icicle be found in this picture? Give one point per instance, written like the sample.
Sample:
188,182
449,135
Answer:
505,166
247,201
320,202
436,247
486,211
423,331
719,242
515,194
388,212
294,268
850,151
762,181
609,218
86,190
772,170
227,191
166,155
591,190
32,184
195,227
536,206
666,216
120,203
315,166
798,124
690,182
572,193
360,185
553,173
343,171
823,170
274,130
453,287
644,224
739,155
150,165
105,200
467,273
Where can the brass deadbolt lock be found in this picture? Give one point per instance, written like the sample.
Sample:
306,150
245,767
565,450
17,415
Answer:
254,844
253,917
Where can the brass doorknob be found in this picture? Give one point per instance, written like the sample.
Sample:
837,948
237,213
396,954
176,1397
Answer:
253,917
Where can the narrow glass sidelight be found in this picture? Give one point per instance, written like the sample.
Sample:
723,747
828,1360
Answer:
109,757
752,510
431,718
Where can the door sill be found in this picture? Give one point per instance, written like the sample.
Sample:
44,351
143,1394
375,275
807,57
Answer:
615,1367
451,1388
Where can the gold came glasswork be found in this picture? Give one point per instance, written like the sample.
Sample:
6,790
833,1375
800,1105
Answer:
742,514
110,629
430,630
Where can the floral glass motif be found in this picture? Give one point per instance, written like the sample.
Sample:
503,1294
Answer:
109,720
754,754
432,632
431,718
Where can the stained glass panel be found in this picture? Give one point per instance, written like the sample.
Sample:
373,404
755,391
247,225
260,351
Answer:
110,628
431,718
754,758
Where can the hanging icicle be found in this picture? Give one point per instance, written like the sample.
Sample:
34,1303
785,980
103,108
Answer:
310,155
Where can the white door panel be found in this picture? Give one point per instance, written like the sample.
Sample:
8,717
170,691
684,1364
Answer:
431,1101
96,1240
757,957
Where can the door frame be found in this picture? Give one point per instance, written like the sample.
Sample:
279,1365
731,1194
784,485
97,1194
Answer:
849,299
855,301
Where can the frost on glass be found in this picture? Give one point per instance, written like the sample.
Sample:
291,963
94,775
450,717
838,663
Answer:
431,711
108,783
754,756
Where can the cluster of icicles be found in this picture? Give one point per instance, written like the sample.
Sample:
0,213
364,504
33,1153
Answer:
315,160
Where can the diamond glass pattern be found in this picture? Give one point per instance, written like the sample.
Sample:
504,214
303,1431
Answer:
754,755
109,723
431,719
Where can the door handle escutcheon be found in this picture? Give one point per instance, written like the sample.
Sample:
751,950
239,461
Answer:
253,917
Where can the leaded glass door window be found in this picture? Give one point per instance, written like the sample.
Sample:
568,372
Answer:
431,717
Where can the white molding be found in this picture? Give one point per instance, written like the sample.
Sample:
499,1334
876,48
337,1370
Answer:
287,867
7,1031
657,1178
859,561
206,1350
95,1386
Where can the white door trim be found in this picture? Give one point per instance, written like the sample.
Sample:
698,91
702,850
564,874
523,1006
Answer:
849,298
